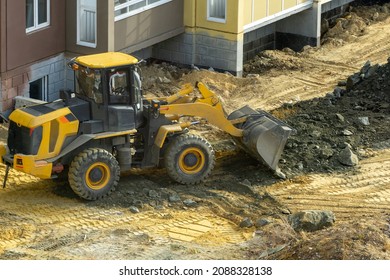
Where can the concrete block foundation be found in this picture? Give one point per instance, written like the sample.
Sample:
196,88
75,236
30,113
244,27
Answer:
203,50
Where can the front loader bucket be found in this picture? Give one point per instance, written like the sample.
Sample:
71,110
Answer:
264,136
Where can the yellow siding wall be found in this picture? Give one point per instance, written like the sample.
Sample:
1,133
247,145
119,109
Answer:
232,17
275,6
189,13
289,4
247,11
260,7
239,14
264,8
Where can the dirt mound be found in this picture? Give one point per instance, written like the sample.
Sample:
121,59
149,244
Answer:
348,241
276,60
356,118
353,23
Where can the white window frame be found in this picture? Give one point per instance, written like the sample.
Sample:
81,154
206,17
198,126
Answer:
79,41
137,11
36,25
215,19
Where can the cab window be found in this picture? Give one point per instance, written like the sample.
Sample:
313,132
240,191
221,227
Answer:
89,84
118,86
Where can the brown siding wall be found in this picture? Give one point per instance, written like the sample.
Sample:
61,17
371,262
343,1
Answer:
105,18
145,26
22,48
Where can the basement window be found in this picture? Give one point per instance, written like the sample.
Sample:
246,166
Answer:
37,14
216,10
127,8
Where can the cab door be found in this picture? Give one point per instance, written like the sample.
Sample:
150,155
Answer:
121,112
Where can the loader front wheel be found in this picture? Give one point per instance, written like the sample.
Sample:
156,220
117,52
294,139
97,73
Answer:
94,173
189,159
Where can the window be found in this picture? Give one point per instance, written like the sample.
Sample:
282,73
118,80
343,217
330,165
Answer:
216,10
126,8
38,89
86,23
89,84
37,14
118,86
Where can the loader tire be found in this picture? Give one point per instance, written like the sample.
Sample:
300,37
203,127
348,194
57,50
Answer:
94,173
189,159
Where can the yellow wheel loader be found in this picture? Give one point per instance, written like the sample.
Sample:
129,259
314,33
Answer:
107,126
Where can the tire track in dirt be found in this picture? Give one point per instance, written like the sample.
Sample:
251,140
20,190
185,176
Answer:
39,223
365,193
320,70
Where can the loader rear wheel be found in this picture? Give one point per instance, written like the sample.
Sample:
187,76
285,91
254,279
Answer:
94,173
189,159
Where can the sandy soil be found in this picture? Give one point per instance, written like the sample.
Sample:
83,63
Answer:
45,220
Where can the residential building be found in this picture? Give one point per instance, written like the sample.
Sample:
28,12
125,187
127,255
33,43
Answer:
32,46
38,37
224,34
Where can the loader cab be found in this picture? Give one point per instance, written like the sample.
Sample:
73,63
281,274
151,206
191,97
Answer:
111,84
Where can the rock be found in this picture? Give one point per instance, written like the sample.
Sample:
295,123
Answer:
365,68
280,174
371,71
138,203
284,211
338,92
253,76
165,80
348,158
353,80
262,222
315,133
246,223
193,67
347,132
134,209
211,69
246,182
342,83
190,203
327,102
327,152
174,197
340,117
346,145
153,203
311,220
364,121
153,194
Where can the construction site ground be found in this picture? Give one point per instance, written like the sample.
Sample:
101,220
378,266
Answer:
241,211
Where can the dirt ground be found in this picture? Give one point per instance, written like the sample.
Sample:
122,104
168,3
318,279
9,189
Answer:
241,211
